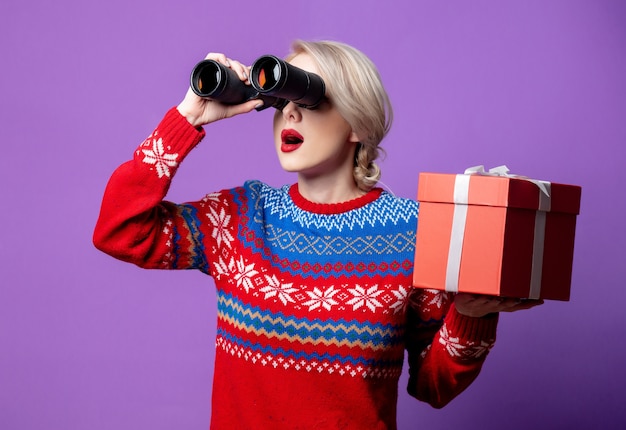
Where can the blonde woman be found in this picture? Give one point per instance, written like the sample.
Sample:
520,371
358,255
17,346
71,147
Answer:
314,298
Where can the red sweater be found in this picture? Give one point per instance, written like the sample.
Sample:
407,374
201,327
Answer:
314,302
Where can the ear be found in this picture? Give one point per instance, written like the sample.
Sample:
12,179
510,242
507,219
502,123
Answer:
353,137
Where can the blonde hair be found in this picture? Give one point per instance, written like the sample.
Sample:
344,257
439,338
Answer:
355,88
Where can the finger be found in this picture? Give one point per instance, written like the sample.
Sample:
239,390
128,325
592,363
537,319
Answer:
489,301
219,57
468,297
243,107
496,304
521,305
241,70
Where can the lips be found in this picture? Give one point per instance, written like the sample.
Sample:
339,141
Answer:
291,140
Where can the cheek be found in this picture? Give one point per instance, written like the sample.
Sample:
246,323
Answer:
277,126
277,119
343,131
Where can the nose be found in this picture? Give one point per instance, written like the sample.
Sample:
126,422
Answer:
291,112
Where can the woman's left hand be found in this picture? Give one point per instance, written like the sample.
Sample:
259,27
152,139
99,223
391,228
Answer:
479,305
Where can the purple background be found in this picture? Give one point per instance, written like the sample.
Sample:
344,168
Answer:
87,342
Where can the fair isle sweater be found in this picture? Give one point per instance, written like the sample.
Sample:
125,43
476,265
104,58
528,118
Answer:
312,299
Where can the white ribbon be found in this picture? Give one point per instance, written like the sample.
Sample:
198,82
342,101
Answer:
459,219
461,193
538,241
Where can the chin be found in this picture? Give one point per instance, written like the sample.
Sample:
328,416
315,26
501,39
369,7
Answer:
287,167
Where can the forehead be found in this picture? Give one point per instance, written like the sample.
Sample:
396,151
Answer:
304,62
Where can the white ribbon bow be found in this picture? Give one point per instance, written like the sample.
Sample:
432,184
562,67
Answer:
544,186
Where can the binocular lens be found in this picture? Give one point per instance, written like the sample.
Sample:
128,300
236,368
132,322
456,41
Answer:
207,78
269,74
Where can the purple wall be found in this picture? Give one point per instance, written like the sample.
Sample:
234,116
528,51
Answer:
87,342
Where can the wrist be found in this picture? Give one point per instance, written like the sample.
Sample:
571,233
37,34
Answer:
186,113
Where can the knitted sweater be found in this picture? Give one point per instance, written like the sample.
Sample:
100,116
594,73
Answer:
312,299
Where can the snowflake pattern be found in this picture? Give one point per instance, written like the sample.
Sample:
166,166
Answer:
401,295
323,299
470,350
245,274
212,199
451,344
275,288
160,159
431,297
477,351
221,222
363,297
222,267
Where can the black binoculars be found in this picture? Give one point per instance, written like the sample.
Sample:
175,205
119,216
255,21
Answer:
274,81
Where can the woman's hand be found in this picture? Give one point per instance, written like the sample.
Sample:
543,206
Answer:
200,111
479,305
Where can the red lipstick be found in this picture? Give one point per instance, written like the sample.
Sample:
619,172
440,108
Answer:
291,140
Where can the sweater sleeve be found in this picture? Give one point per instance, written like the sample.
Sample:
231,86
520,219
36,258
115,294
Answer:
135,224
446,350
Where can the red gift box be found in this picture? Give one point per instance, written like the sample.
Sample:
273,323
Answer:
495,233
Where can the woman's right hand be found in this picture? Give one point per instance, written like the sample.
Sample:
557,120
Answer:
200,111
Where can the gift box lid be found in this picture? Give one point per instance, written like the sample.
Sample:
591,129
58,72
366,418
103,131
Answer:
499,191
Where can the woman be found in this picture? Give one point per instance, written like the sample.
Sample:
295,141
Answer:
314,297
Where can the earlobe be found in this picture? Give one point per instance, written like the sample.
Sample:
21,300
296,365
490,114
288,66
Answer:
353,137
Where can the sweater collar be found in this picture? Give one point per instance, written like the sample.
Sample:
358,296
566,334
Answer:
332,208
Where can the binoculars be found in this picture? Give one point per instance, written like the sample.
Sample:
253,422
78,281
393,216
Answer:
274,81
